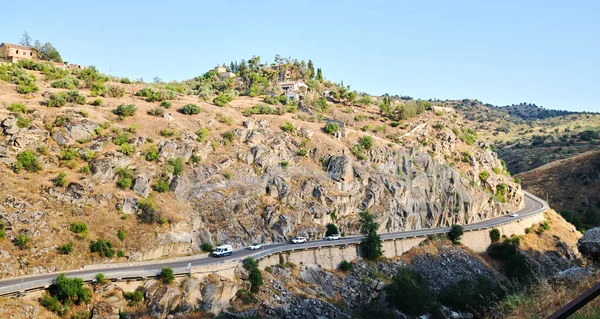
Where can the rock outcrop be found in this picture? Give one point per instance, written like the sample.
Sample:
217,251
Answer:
589,244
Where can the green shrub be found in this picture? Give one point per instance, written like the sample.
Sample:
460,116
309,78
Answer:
190,109
455,234
103,247
207,247
17,108
113,91
100,278
120,253
28,161
284,164
366,142
43,149
61,120
148,209
288,127
161,185
331,128
51,303
67,154
74,97
501,192
97,89
2,230
254,274
125,110
370,246
125,81
408,292
22,241
121,235
331,229
229,137
78,227
222,99
484,176
465,295
60,180
56,100
86,170
497,170
23,122
175,166
97,102
127,149
166,275
66,248
66,83
135,298
345,266
124,176
152,154
495,235
246,296
302,152
165,104
167,132
228,120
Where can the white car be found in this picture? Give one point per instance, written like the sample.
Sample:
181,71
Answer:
334,237
514,215
255,246
298,240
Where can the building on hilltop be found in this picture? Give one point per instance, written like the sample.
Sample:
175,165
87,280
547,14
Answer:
15,52
223,73
291,88
77,66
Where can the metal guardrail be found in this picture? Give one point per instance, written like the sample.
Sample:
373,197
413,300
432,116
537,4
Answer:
33,284
576,304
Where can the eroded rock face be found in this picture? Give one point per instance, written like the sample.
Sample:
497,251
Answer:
82,130
589,244
141,185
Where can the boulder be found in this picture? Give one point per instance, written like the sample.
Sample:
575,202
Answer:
589,244
129,205
141,185
339,168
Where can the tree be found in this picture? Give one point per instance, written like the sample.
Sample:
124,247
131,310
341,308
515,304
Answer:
103,247
494,235
455,234
48,52
254,274
71,289
319,76
166,275
310,73
26,40
371,245
408,292
331,229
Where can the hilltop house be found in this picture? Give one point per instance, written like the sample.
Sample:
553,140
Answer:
15,52
223,73
291,88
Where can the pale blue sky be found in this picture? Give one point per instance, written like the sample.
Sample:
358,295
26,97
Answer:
500,52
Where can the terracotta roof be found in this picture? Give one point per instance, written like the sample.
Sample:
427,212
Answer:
18,46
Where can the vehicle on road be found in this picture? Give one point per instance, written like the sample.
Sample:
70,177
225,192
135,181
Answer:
333,237
222,251
514,215
255,246
298,240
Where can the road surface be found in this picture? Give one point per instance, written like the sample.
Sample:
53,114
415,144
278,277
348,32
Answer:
533,205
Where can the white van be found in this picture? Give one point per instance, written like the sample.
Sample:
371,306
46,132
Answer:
223,250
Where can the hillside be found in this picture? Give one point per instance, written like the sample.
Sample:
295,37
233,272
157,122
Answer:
143,171
572,186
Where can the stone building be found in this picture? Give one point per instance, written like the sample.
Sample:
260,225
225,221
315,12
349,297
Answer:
15,52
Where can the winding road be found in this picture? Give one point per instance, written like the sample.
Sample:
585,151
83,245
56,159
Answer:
17,285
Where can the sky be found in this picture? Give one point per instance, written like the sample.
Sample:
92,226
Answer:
499,52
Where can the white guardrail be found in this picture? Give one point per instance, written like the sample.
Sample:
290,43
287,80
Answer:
181,267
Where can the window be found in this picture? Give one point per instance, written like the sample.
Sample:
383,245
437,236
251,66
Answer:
30,53
24,53
17,51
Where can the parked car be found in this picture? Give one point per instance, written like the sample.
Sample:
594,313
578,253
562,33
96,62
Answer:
255,246
222,251
514,215
298,240
334,237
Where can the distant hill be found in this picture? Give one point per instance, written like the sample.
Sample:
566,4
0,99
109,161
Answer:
527,111
572,186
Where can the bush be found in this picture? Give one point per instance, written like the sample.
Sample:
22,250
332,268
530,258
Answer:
148,209
465,295
127,149
371,245
28,161
125,81
222,99
134,297
67,154
71,289
408,292
331,128
56,100
229,137
207,247
103,247
124,176
121,235
175,166
166,275
125,110
366,142
495,235
22,241
246,296
165,104
302,152
17,108
51,303
345,266
501,192
66,248
100,278
23,122
114,91
161,185
60,180
455,234
78,227
288,127
120,253
2,231
202,134
190,109
228,120
484,176
254,274
86,170
66,83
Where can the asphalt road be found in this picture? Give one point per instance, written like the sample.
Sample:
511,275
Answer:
14,285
